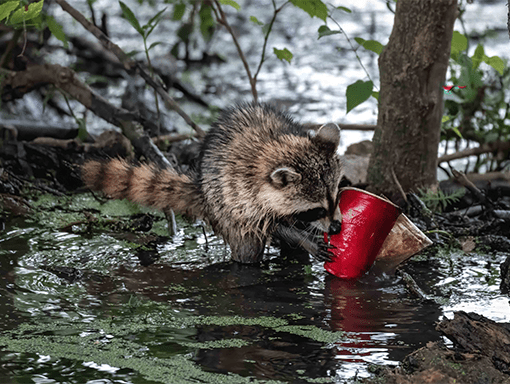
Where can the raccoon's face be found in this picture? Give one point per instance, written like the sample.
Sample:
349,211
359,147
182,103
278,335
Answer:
307,186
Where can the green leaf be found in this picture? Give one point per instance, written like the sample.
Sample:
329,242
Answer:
232,3
497,63
478,56
457,132
375,95
357,93
207,22
153,22
130,16
179,10
345,9
371,45
32,12
459,43
7,8
57,30
315,8
325,31
283,54
253,19
154,45
265,29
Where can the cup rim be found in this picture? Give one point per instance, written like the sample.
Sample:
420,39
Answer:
371,194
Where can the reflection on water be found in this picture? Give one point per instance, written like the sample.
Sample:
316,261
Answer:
382,323
286,320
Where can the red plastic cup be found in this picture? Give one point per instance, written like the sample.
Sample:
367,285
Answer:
367,220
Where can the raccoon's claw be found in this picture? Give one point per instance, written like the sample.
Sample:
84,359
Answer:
324,254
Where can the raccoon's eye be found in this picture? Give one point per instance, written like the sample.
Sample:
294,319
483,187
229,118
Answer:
312,214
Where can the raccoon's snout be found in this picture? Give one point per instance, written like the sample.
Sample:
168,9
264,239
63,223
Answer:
335,227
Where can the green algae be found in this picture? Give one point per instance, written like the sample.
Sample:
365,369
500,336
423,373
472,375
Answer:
175,369
312,332
132,344
215,344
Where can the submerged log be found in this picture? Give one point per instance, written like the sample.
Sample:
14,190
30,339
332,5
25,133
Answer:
477,334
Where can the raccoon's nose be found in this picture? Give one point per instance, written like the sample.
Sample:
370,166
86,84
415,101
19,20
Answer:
335,227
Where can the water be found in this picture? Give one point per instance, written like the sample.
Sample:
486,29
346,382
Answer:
80,306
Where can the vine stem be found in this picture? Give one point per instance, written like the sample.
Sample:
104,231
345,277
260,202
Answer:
266,37
354,50
222,19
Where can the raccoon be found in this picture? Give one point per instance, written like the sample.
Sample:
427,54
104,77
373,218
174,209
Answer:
259,174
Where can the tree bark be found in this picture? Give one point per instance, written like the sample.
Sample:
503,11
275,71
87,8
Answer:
412,70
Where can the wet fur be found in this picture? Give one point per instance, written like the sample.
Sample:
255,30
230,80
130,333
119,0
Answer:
257,172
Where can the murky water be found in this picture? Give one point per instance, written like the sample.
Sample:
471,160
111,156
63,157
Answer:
87,305
80,305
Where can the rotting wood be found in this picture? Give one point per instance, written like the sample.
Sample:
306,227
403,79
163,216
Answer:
29,129
64,78
477,334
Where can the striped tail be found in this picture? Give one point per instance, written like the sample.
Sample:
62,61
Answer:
163,189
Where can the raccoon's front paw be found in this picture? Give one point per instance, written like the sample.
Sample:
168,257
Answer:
324,253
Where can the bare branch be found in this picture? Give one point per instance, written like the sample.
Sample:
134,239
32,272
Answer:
222,19
484,148
15,84
266,38
129,64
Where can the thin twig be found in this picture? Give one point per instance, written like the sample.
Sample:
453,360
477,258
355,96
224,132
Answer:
129,64
266,37
397,183
222,19
462,179
354,50
10,46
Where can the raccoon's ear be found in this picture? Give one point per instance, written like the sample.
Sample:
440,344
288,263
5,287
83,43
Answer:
327,135
284,176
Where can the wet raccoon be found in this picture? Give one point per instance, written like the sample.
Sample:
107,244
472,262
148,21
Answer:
258,175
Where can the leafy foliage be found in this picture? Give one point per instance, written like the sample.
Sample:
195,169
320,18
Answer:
7,8
232,3
371,45
283,54
358,92
478,112
26,13
325,31
315,8
17,14
439,201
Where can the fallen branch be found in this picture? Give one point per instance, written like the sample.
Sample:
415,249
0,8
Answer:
462,179
84,48
19,83
29,129
130,65
484,148
172,138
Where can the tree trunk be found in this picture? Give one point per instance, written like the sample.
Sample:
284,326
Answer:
412,70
